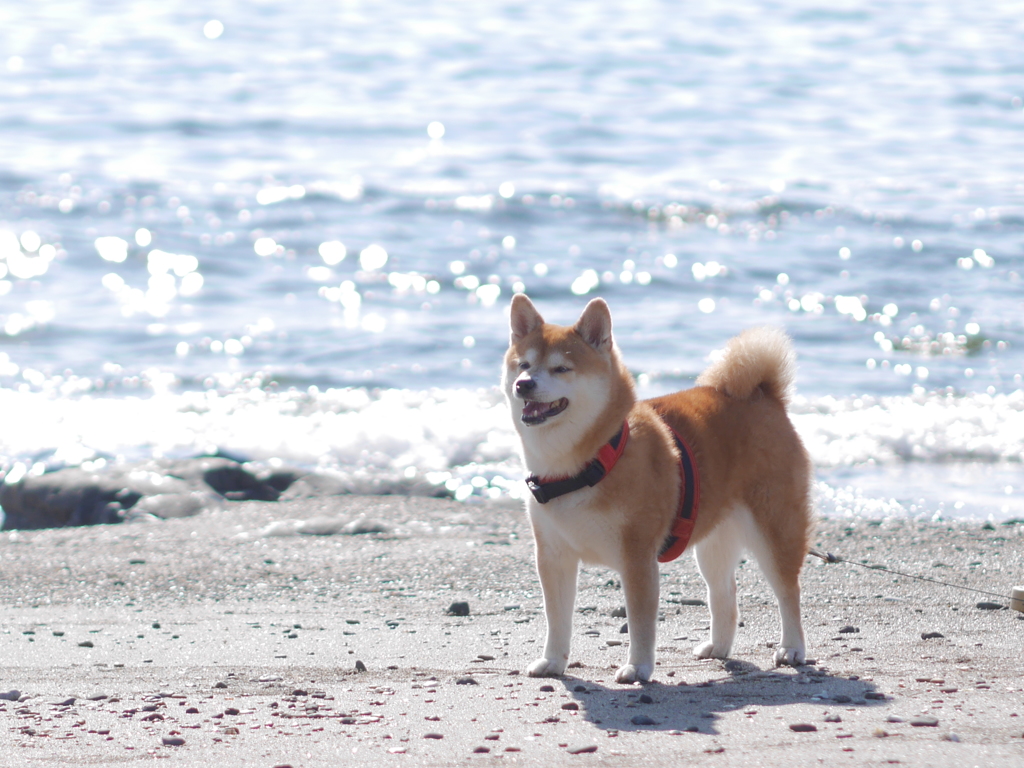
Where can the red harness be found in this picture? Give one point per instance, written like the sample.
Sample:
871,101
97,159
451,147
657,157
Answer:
544,490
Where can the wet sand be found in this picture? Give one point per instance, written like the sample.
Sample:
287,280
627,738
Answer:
244,646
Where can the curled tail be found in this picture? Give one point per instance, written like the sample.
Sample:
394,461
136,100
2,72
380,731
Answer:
759,358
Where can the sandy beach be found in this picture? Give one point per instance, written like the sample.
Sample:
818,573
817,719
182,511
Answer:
239,637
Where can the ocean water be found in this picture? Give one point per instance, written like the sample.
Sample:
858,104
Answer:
291,230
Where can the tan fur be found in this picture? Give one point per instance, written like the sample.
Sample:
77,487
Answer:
754,477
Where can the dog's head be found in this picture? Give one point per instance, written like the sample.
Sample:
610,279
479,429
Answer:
564,379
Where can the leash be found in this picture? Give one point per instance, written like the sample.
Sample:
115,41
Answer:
828,557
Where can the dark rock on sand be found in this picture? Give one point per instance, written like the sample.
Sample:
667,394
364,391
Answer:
931,635
458,608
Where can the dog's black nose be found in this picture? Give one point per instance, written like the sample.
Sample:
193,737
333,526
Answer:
525,386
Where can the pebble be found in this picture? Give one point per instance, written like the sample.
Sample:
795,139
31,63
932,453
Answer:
221,684
173,741
58,633
931,635
848,629
894,719
642,720
619,613
458,608
875,696
571,706
485,657
85,644
987,606
624,629
481,750
433,735
842,698
300,692
803,727
833,719
926,721
645,699
191,711
360,667
10,695
466,681
580,688
582,749
951,737
547,688
231,711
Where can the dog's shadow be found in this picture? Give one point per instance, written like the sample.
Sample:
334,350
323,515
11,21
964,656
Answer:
665,705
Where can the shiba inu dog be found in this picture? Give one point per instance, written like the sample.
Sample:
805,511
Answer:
624,483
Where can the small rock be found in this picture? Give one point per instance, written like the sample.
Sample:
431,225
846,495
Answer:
98,697
300,692
642,720
645,699
571,706
231,711
156,625
833,719
880,733
485,657
951,737
931,635
173,741
85,644
360,667
848,629
624,629
230,731
191,711
10,695
458,608
66,703
842,698
58,633
582,749
987,606
481,750
547,688
619,613
466,681
580,688
924,721
894,719
433,735
874,696
803,727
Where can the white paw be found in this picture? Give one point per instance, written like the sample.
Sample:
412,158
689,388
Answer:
632,673
546,668
709,650
791,657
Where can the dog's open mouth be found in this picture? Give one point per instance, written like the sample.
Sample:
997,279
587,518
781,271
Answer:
535,412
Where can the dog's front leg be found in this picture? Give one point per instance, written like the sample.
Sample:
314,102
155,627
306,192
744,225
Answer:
640,581
557,567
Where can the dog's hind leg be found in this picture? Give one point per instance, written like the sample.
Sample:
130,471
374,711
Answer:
558,569
717,556
780,563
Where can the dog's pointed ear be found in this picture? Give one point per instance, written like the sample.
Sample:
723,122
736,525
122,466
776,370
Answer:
595,325
524,319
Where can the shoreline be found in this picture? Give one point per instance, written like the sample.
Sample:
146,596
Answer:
201,613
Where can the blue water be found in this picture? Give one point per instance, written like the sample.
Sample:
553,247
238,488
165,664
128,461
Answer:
854,173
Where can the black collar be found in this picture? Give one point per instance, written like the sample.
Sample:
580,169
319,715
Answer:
546,489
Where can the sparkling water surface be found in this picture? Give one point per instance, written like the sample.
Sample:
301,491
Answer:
292,230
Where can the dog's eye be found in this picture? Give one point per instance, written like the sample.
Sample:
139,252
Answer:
560,369
523,365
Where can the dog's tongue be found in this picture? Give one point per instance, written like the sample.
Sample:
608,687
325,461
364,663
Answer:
535,408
